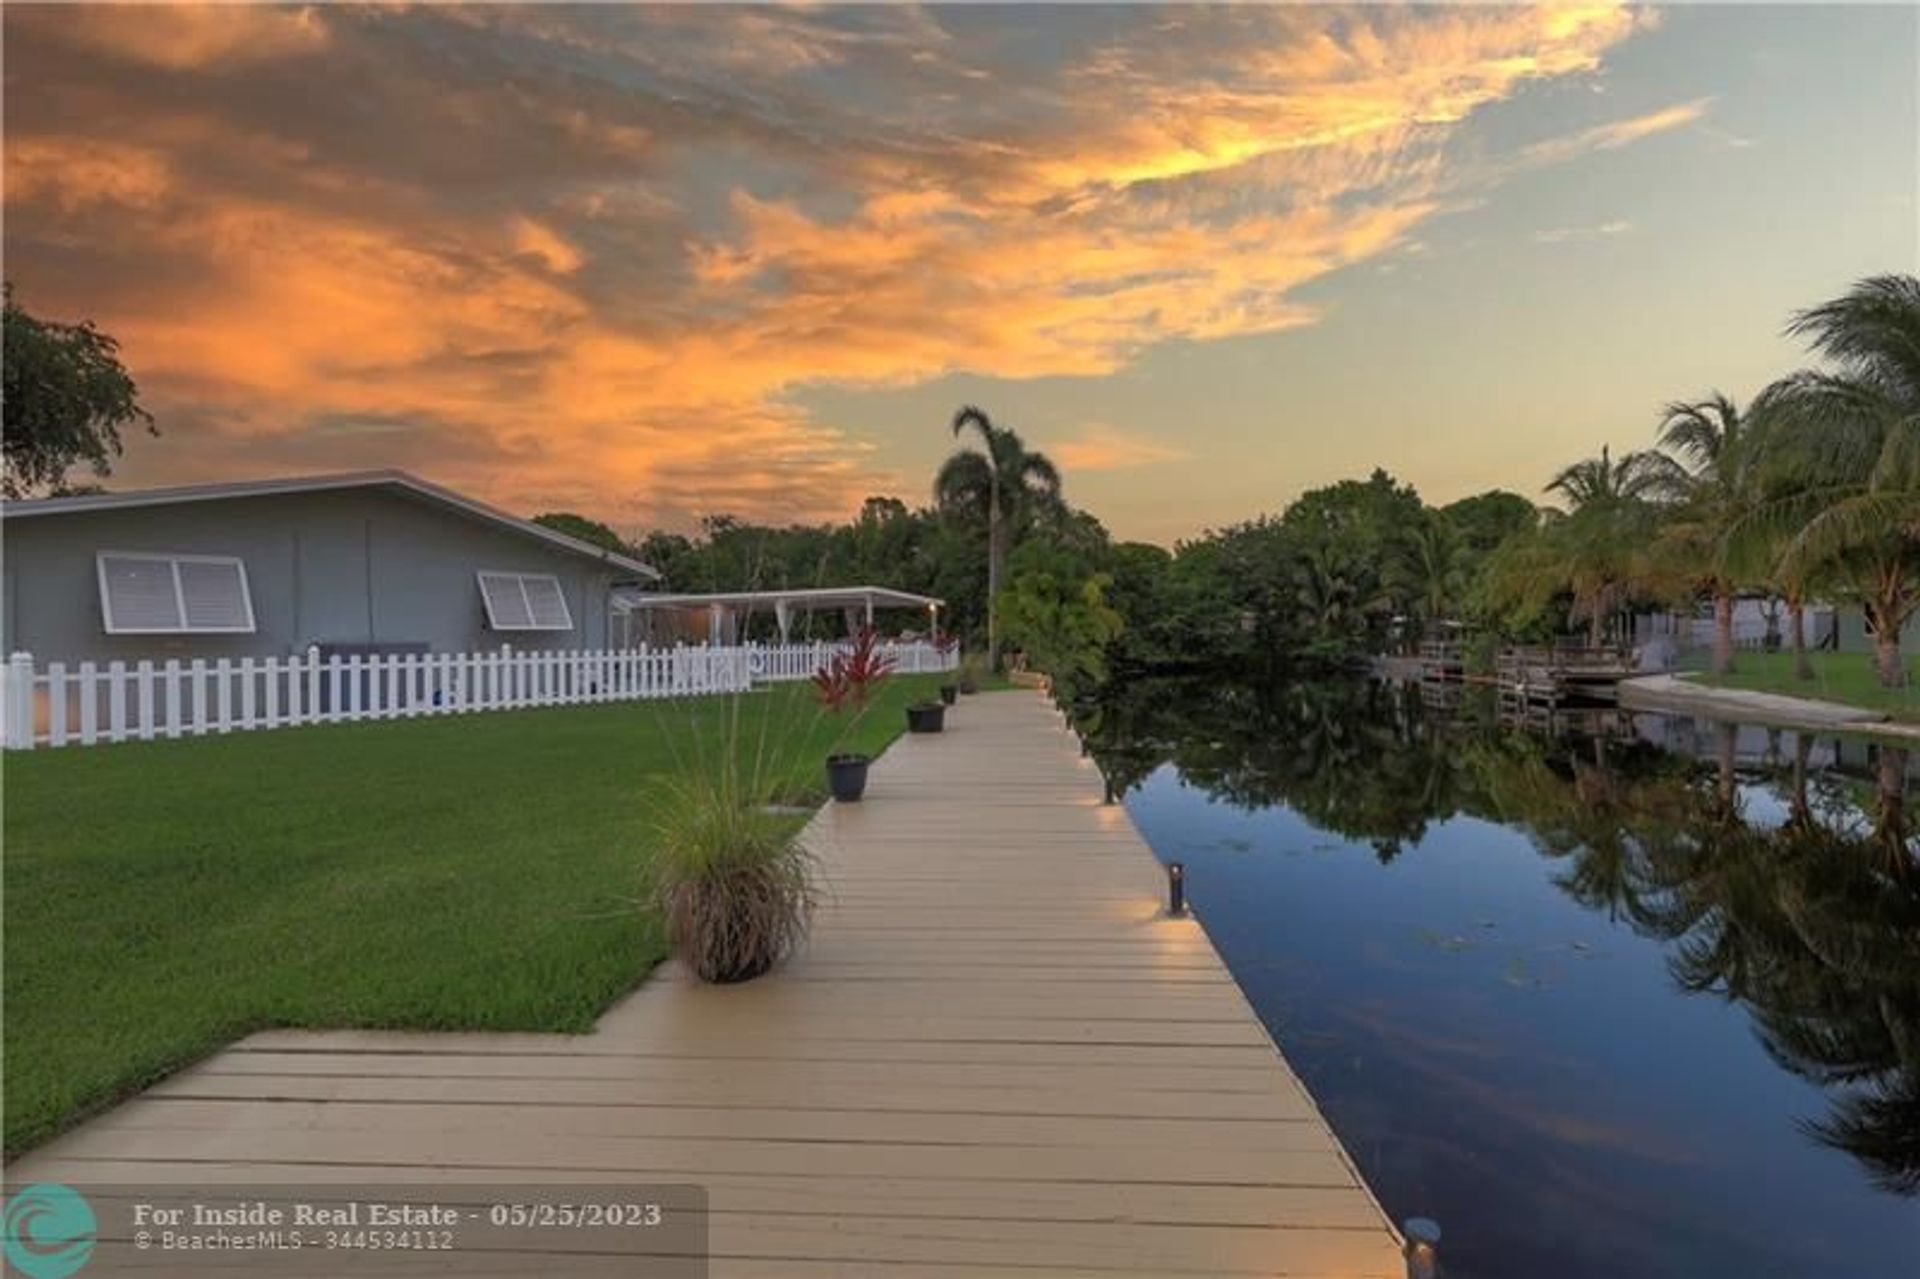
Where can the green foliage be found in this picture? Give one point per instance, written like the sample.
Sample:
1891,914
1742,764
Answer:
1486,520
580,528
1061,619
66,397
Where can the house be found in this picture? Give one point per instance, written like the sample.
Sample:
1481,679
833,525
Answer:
1856,633
368,562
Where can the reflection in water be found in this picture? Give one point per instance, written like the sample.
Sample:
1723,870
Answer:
1770,870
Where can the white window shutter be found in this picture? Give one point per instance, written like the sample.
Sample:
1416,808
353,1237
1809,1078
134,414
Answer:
506,603
163,593
524,602
213,595
547,603
137,594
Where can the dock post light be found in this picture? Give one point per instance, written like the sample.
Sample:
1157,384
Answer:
1108,797
1423,1247
1176,889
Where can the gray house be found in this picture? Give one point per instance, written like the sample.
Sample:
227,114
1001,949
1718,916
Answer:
374,561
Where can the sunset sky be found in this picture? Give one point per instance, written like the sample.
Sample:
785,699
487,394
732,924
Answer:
654,263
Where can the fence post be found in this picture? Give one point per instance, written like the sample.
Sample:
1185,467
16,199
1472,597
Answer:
19,709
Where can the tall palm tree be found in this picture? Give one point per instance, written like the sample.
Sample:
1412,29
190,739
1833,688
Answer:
1006,483
1855,510
1716,469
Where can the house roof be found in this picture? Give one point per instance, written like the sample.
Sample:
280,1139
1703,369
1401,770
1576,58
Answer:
398,481
809,597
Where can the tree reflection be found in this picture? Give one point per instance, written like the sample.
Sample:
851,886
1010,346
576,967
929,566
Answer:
1805,912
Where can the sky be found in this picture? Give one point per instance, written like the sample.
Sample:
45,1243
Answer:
654,263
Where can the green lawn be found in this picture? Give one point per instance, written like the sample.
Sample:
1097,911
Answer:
1838,677
473,872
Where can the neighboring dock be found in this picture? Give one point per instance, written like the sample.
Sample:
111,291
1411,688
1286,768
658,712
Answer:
998,1055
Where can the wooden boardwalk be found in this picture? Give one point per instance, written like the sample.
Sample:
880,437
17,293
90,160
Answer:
997,1056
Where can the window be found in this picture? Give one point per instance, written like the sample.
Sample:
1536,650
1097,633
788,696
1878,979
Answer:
145,593
525,602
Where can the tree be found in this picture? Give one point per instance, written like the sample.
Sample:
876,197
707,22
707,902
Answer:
1487,519
1433,576
582,529
1718,473
1643,476
1062,622
66,396
1599,557
1855,508
1005,484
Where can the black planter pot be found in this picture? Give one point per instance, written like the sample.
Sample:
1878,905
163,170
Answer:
927,717
969,685
949,693
847,777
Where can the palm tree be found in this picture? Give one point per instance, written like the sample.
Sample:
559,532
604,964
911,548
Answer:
1855,510
1433,573
1644,476
1005,482
1717,470
1601,554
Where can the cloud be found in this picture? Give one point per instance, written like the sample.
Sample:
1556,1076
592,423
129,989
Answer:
586,256
1098,447
1614,134
1561,235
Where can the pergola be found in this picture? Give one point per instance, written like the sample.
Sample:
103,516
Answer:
725,609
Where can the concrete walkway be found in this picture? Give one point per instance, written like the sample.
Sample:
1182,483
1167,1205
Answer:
996,1057
1673,693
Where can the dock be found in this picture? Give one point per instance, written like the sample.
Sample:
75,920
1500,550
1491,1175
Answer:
997,1055
1555,675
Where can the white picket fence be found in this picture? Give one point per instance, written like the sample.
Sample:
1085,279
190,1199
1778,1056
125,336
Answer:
88,703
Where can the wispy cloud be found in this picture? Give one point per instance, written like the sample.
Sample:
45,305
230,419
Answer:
1614,134
1099,447
588,254
1599,231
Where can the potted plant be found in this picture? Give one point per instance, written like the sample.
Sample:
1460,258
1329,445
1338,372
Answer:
844,686
732,881
949,693
972,667
926,717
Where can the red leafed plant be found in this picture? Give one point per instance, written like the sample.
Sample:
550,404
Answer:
852,674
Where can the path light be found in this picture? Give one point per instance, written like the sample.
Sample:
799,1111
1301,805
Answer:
1423,1247
1176,888
1107,783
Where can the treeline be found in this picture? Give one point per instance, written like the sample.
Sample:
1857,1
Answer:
1811,493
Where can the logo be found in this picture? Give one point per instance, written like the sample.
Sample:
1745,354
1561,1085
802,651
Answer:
49,1232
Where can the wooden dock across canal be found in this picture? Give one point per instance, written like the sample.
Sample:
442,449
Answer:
996,1056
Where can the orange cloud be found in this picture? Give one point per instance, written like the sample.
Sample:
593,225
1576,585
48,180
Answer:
585,257
1098,447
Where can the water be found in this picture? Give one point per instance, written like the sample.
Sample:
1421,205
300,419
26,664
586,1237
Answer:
1621,997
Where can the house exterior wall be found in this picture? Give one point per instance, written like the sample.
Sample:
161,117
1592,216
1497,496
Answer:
1854,637
350,566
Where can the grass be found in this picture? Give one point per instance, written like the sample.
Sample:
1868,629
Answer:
1838,677
477,872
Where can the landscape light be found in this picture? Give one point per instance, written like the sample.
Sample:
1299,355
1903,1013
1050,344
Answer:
1176,888
1423,1247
